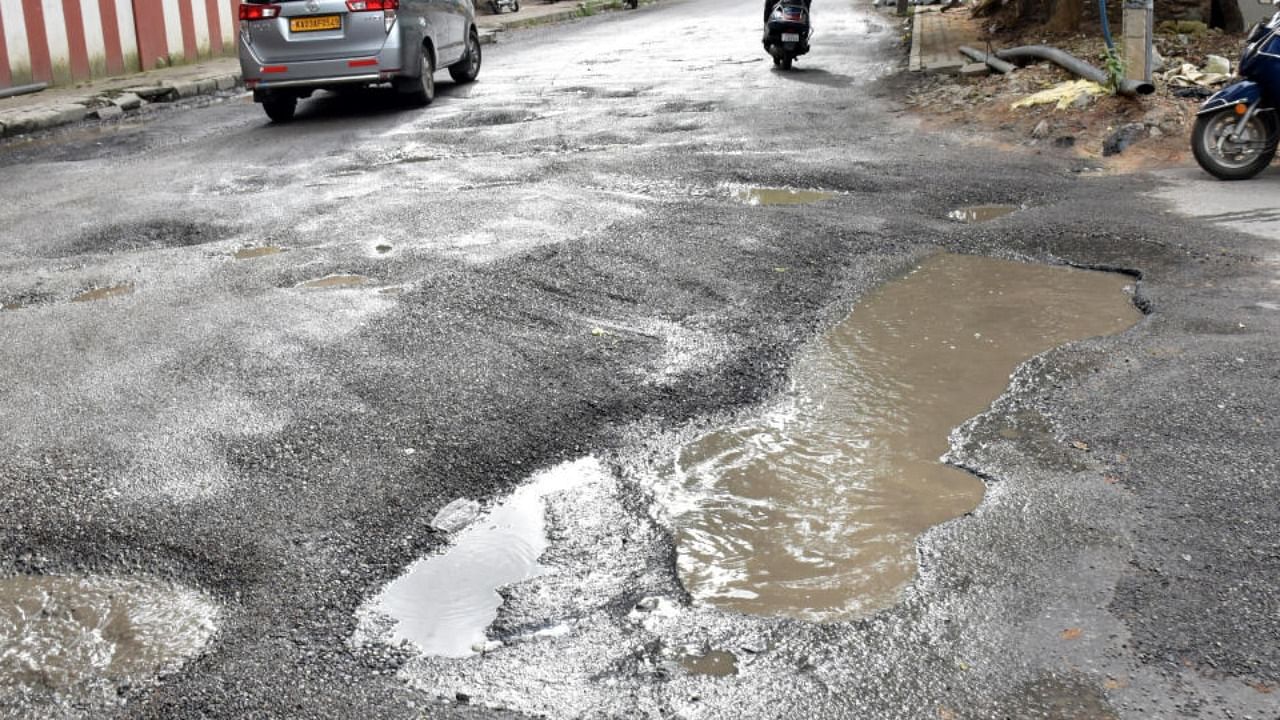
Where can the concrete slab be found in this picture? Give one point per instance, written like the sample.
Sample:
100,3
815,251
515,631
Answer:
935,37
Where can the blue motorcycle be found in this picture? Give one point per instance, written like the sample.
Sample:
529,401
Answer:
1236,129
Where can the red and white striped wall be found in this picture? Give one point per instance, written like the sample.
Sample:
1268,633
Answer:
61,41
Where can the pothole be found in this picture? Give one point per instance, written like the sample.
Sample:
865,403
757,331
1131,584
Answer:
981,213
813,512
103,293
149,235
85,641
781,196
382,249
716,663
248,253
334,281
444,603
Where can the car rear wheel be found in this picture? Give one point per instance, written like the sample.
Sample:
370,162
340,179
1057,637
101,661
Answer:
466,69
280,108
420,91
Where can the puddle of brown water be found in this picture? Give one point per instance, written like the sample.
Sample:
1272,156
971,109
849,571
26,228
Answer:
11,306
443,603
781,196
103,293
257,252
981,213
813,513
73,639
335,281
716,663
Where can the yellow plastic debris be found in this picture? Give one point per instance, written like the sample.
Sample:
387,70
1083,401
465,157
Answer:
1063,94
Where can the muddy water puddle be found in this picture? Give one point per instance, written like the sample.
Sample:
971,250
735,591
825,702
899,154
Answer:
444,603
716,663
250,253
981,213
67,638
781,196
334,281
103,293
813,511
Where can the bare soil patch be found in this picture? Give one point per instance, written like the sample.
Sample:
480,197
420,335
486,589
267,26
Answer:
984,105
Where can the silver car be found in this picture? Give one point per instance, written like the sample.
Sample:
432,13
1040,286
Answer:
291,48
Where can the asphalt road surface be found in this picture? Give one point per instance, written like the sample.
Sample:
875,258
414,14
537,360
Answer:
553,264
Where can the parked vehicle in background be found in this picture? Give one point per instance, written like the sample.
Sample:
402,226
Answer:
497,6
1236,129
291,48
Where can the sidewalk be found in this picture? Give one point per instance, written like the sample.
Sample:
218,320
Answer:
111,97
935,35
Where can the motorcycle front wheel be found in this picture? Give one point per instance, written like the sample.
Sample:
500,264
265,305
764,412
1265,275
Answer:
1226,156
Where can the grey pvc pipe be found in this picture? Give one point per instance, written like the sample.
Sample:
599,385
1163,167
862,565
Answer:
22,89
992,61
1074,64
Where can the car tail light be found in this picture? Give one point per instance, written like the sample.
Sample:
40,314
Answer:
388,8
250,11
372,5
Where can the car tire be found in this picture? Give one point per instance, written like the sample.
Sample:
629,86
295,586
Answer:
515,6
421,90
466,69
280,108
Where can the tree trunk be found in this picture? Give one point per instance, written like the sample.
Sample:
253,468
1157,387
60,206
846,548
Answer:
1065,16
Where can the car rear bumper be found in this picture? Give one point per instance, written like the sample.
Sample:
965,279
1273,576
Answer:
367,69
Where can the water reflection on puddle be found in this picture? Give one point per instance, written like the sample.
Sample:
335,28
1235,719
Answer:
813,512
74,638
981,213
444,602
781,196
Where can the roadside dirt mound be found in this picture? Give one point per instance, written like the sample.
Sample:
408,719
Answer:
1148,132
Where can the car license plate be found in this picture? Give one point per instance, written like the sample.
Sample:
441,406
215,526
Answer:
790,37
314,23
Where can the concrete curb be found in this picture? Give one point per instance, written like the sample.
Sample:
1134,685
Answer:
110,103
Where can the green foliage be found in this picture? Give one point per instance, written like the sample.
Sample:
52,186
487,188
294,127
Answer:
1113,64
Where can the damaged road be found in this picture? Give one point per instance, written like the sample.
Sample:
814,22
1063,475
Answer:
306,341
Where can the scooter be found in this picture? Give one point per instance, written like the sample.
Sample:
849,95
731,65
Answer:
497,5
1236,129
787,32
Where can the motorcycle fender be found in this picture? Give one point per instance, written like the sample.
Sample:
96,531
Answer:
1244,91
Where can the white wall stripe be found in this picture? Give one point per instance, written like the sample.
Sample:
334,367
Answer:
173,28
93,40
55,29
15,40
200,14
225,14
128,34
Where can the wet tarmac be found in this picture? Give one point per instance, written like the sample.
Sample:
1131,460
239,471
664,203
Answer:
291,450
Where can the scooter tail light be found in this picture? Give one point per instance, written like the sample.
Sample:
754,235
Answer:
251,11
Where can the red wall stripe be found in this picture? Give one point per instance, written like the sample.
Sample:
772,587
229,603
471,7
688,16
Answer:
215,26
188,29
6,75
148,24
71,14
37,42
111,36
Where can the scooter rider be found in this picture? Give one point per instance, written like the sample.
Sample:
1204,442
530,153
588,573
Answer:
769,5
